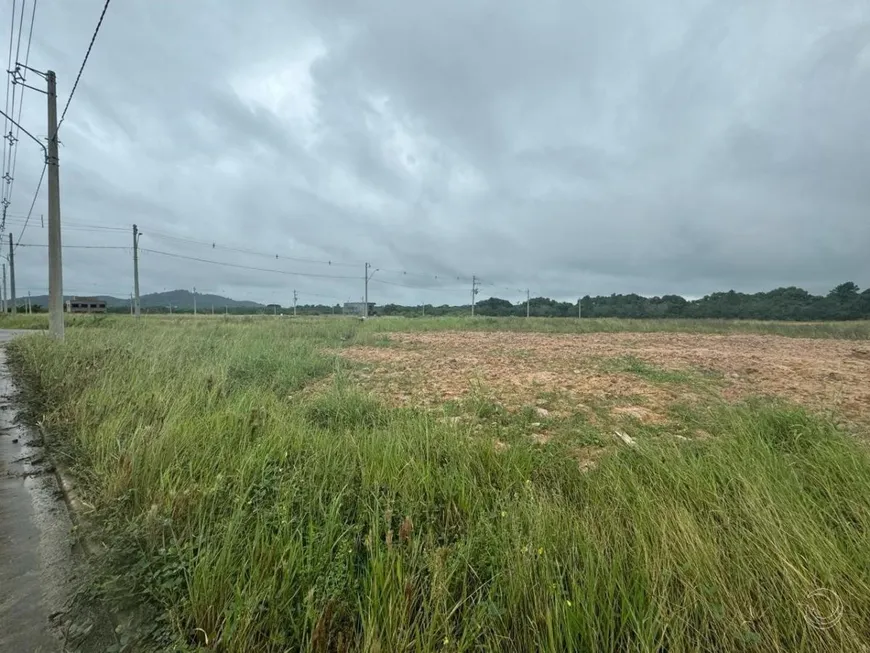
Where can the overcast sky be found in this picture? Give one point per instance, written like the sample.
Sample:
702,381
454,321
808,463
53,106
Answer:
566,147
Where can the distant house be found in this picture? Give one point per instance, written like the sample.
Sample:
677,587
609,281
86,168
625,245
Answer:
358,308
85,305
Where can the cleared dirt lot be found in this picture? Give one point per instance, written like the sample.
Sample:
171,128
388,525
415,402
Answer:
643,372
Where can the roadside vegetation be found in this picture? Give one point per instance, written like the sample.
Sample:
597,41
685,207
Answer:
256,498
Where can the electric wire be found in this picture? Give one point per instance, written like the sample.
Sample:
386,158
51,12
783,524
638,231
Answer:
21,98
246,267
32,203
82,67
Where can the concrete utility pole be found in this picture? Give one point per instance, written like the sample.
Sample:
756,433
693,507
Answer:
212,309
194,300
55,264
473,294
366,296
295,297
136,236
527,302
12,276
579,308
131,305
29,311
4,289
226,310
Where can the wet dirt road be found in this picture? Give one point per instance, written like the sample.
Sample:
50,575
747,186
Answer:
38,562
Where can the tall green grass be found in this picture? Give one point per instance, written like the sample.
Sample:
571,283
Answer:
257,514
318,327
853,330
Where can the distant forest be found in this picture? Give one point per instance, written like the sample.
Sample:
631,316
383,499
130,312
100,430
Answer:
845,302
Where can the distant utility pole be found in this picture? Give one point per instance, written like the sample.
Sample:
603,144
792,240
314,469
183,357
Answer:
131,305
170,309
12,276
136,235
194,300
4,289
366,296
226,310
579,308
424,310
55,265
212,308
474,292
28,303
295,297
527,302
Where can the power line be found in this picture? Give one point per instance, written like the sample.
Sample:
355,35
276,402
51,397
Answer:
314,294
23,79
84,61
402,285
32,204
246,267
424,276
19,219
75,246
5,201
241,250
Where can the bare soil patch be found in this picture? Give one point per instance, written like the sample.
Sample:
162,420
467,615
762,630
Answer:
565,369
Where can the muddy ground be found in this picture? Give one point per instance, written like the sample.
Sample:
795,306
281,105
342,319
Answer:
641,373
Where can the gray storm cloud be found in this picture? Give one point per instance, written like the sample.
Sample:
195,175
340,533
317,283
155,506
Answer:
565,147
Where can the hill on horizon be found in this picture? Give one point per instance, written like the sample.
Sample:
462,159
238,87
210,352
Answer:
179,299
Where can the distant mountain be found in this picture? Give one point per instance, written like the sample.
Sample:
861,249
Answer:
182,299
42,300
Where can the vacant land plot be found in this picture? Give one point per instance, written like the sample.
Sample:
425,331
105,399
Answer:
279,485
568,372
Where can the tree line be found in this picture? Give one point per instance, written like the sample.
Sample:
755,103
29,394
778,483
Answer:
845,302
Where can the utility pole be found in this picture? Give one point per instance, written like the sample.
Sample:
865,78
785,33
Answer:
4,289
226,310
424,310
212,308
170,308
295,297
194,300
473,294
28,303
136,235
366,297
131,305
579,308
55,264
527,302
12,275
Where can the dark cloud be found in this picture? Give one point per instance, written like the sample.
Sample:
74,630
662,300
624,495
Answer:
678,147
